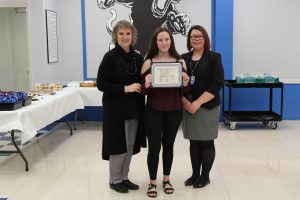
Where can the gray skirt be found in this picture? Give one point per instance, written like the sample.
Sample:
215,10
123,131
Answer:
203,125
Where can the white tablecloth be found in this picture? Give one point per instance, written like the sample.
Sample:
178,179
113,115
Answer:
41,113
91,96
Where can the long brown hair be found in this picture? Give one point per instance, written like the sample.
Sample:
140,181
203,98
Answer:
153,49
206,38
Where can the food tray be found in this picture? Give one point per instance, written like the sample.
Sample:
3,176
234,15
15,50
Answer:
11,106
27,101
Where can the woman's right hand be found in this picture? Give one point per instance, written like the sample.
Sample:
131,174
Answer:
134,87
148,80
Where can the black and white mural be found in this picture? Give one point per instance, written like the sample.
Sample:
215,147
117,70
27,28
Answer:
146,16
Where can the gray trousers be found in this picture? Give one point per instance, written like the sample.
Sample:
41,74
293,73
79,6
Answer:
119,164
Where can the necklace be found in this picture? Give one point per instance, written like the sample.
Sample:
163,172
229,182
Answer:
193,68
135,68
192,77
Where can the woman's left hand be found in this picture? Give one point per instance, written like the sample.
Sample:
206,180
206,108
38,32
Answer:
186,103
194,107
185,79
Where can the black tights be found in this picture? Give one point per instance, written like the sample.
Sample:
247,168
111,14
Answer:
202,155
161,128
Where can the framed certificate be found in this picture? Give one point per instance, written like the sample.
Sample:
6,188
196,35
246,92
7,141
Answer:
51,30
166,74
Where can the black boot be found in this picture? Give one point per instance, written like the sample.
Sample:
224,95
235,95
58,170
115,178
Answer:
201,182
119,187
190,181
130,185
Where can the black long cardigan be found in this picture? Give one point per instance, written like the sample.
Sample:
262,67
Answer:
115,71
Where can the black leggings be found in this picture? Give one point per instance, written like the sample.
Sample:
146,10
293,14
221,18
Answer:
202,156
161,129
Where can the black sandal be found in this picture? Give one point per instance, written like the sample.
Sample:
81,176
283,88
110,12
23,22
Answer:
152,193
168,190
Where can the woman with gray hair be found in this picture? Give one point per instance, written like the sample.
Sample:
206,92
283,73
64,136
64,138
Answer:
119,78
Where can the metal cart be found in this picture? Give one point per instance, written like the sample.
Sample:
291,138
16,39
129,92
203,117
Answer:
268,118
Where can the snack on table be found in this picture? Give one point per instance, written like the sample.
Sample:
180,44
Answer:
88,84
45,89
56,86
38,86
45,86
34,96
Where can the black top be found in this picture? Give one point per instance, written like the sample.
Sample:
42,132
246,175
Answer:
119,68
116,70
209,76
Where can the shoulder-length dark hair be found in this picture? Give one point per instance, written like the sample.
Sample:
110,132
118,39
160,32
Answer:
206,38
153,49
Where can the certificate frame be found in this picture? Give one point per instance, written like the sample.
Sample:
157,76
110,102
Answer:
166,74
51,30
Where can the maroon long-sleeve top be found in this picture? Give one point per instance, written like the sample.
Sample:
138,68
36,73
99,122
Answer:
163,99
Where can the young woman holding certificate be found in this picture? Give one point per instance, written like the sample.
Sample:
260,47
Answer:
163,112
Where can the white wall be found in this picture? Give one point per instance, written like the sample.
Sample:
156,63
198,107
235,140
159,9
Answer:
266,38
37,41
13,50
69,66
70,39
19,50
6,69
42,72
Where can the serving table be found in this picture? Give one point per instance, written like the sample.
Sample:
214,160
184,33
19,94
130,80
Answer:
31,118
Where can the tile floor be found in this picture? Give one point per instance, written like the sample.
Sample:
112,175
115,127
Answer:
251,164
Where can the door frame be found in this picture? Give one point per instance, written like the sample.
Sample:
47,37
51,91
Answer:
16,4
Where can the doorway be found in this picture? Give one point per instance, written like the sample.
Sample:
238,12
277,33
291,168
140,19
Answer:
14,65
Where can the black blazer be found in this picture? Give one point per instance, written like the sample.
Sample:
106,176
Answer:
209,77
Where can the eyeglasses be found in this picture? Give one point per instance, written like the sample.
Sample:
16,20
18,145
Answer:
197,37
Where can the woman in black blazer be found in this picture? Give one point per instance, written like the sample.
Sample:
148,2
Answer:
202,104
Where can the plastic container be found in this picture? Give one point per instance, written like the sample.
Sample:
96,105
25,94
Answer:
11,106
240,78
27,101
250,78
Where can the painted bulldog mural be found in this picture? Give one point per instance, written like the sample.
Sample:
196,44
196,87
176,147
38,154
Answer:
147,15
